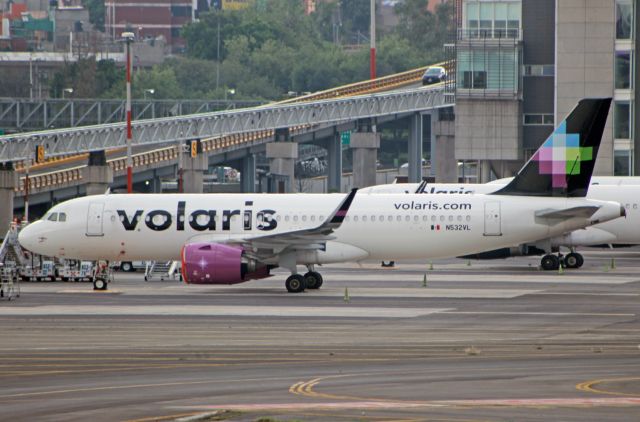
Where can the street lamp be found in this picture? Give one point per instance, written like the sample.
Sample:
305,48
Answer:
230,91
68,91
148,91
128,38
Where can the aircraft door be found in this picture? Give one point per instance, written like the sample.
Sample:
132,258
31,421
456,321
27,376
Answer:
94,219
492,219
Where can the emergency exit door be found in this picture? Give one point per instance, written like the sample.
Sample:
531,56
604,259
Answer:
492,220
94,219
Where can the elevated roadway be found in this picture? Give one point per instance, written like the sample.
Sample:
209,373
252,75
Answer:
63,171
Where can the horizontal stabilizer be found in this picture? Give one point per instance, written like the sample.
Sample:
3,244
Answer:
585,211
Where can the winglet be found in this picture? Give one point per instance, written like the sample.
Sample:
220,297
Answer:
338,215
563,165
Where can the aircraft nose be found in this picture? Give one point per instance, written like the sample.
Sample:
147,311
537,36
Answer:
28,237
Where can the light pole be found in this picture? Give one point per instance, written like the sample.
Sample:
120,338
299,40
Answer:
372,57
148,91
68,91
230,92
128,38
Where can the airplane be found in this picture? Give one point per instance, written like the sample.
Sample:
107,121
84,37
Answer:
619,232
233,238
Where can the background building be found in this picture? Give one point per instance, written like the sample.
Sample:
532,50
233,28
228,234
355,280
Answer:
522,65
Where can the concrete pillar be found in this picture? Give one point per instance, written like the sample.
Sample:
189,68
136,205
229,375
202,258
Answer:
334,157
444,152
97,176
193,169
282,157
415,148
484,171
248,174
365,154
8,182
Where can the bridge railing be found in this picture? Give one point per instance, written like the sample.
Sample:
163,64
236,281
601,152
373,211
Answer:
52,179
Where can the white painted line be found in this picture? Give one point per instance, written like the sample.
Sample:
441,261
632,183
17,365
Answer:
347,311
539,313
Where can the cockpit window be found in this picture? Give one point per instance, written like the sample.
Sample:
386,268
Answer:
62,217
53,217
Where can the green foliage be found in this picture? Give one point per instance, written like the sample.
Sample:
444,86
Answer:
96,12
264,54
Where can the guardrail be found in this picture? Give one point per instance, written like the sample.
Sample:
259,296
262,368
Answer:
65,176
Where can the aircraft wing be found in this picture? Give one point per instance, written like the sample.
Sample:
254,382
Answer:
263,247
568,213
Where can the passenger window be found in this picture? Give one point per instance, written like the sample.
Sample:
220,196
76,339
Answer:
313,218
286,218
433,218
355,218
304,218
62,217
450,218
407,218
459,218
399,218
425,218
442,218
364,218
468,218
373,218
390,218
53,217
416,218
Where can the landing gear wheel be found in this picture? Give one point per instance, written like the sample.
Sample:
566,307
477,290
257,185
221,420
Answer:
573,260
313,280
126,267
99,284
295,283
550,262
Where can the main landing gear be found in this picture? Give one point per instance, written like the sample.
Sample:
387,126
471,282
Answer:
551,262
297,283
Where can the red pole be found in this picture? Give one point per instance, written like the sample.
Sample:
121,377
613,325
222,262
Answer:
372,36
128,36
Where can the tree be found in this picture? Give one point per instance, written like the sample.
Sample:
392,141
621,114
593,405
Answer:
96,12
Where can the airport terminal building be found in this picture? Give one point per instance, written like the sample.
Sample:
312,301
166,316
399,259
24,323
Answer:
523,64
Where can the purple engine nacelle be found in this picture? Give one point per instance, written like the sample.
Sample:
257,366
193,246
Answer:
217,263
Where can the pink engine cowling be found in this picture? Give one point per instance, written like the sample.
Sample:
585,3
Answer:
216,263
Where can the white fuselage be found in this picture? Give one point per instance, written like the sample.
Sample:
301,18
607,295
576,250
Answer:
622,190
385,226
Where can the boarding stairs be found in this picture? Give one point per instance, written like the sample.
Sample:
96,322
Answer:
163,270
10,249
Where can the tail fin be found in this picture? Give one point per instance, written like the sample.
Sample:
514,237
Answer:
563,165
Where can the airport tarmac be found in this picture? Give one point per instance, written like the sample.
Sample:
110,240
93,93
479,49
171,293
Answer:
489,341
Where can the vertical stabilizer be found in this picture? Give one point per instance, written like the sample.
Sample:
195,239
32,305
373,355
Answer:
563,165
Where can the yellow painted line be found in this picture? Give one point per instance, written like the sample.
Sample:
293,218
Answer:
588,386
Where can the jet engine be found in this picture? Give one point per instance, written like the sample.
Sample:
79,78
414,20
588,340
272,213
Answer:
217,263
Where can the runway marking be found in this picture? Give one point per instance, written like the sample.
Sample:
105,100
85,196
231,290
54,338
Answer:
252,311
537,313
306,388
588,386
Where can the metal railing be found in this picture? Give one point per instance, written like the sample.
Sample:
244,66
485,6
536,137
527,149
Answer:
169,155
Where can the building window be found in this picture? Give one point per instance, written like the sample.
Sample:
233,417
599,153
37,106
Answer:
492,19
488,69
180,11
539,70
622,120
538,119
624,19
622,162
623,75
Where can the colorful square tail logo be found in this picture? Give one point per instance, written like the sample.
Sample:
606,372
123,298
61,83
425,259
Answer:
561,155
